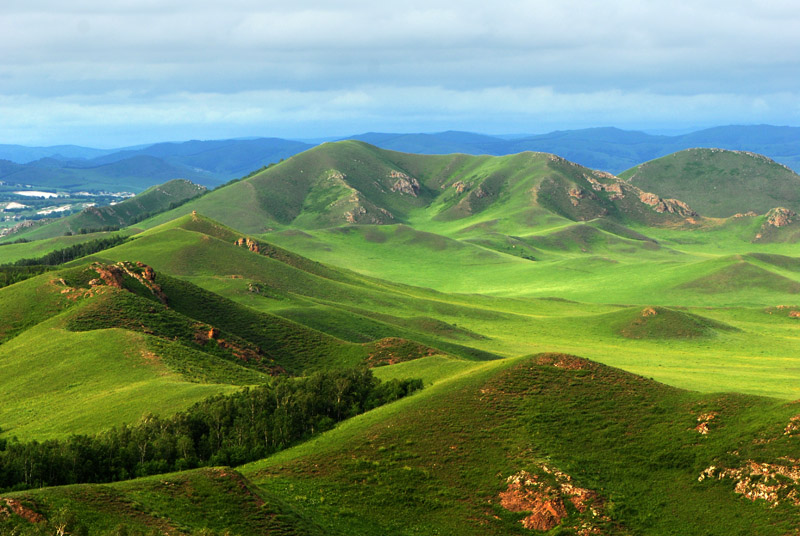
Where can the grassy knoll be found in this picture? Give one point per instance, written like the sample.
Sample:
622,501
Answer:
386,472
202,501
757,355
56,382
720,183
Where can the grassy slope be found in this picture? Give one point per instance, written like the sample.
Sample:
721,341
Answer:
384,467
217,499
757,357
385,473
720,183
56,382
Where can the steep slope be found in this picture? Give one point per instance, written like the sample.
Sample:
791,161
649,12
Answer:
211,502
720,183
274,280
355,183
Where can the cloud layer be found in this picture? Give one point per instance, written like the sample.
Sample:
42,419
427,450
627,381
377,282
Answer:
318,68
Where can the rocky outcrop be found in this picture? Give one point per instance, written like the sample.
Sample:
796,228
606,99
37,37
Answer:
776,218
703,421
780,217
667,206
9,506
26,224
405,184
543,496
480,193
248,243
113,275
460,186
335,174
771,482
614,187
748,214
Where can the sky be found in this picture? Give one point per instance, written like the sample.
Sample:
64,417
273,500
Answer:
114,73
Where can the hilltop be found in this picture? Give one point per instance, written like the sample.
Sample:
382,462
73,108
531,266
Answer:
720,183
356,183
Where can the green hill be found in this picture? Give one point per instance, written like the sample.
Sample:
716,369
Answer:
355,183
520,445
481,276
720,183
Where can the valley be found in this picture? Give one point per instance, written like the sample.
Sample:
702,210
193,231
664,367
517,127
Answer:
600,354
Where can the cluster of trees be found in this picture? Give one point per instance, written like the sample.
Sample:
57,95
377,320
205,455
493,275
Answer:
60,256
14,274
104,228
222,430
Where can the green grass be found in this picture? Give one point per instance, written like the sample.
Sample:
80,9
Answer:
385,472
456,288
719,183
216,499
56,382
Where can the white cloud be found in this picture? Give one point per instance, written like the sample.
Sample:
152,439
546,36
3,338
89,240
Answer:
284,64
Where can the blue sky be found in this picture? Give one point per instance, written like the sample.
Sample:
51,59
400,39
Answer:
123,72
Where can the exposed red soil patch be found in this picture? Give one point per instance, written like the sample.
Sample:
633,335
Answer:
703,422
16,507
544,495
563,361
525,494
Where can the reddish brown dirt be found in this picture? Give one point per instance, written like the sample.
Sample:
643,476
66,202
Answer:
18,508
546,508
110,274
543,496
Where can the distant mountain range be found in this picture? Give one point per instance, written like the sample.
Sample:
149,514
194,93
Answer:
214,162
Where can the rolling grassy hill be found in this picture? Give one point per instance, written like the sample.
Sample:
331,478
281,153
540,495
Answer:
720,183
352,182
482,276
520,445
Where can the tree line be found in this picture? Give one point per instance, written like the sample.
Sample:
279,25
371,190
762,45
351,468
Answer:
60,256
222,430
